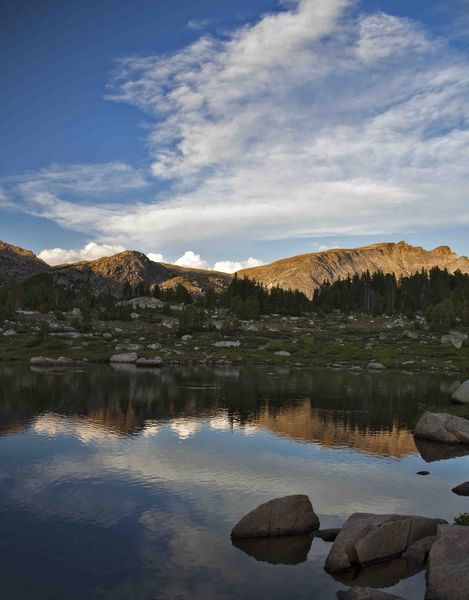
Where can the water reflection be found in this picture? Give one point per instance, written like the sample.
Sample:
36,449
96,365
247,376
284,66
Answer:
128,482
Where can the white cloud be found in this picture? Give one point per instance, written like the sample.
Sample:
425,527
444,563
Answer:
192,260
315,121
156,257
92,251
231,266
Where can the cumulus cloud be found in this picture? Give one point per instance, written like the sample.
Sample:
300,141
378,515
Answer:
231,266
314,121
91,251
192,260
156,257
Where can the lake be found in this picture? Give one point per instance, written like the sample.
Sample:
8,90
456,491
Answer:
123,483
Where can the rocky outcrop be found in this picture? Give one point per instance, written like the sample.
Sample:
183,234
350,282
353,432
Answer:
367,538
358,593
290,515
440,427
448,565
420,550
308,271
461,395
17,263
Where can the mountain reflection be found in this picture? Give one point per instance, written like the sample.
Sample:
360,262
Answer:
372,413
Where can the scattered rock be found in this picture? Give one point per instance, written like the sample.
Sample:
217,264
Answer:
462,489
375,366
154,346
283,353
129,357
290,515
461,395
226,344
440,427
144,302
107,336
129,347
454,338
367,538
9,333
420,550
186,338
357,593
134,315
448,564
411,335
154,361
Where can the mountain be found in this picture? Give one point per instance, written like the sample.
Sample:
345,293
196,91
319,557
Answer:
306,272
136,268
16,263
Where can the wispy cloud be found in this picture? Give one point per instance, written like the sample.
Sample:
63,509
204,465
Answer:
314,121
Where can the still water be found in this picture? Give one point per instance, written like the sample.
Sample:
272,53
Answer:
124,484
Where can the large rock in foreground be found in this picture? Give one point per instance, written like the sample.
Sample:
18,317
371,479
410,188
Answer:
290,515
441,427
448,565
367,538
461,395
359,593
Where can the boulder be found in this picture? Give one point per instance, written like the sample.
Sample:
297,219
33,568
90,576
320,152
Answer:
358,593
46,361
367,538
9,333
420,550
375,366
440,427
461,395
107,335
154,361
462,489
128,357
155,346
290,515
454,338
186,338
283,353
448,565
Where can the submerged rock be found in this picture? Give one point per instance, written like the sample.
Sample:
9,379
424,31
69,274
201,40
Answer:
286,550
440,427
461,395
462,489
357,593
154,361
46,361
367,538
448,565
128,357
290,515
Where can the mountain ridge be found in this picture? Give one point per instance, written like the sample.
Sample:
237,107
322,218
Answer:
306,272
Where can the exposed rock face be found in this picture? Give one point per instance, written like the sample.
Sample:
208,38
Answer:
440,427
461,395
357,593
448,565
136,268
18,263
290,515
308,271
367,538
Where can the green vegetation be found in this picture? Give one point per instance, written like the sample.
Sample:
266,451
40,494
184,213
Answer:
442,296
463,519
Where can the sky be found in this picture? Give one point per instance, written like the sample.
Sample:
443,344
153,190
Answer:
228,133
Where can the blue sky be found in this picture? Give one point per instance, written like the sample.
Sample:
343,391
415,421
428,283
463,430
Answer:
213,131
